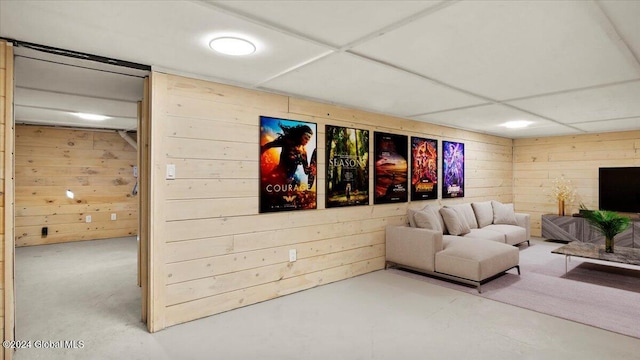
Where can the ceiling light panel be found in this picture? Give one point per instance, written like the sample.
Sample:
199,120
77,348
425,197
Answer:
232,45
347,79
91,117
508,49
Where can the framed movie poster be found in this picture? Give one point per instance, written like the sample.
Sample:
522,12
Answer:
347,166
424,169
391,168
287,165
452,169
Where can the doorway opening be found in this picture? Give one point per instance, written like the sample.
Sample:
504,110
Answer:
79,253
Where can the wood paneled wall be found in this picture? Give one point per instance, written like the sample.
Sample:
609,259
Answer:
97,166
6,197
211,249
538,161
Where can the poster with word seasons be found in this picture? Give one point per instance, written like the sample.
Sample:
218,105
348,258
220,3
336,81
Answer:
347,181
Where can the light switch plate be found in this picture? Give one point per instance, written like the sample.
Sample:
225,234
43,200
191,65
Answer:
171,171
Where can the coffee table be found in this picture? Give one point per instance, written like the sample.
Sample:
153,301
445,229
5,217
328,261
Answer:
622,255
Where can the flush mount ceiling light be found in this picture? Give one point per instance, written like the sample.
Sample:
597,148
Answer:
517,124
92,117
230,45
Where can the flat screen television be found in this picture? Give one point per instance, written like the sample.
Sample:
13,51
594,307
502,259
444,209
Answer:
620,189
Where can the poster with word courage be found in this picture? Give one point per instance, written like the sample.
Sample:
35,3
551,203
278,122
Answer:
452,169
288,165
347,166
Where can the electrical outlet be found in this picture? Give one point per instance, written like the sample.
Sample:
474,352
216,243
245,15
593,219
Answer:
293,256
113,216
88,218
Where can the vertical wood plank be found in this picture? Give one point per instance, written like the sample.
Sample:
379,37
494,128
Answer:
8,189
143,195
157,202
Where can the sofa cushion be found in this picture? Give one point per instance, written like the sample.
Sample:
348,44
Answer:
484,213
475,260
466,212
456,225
486,234
503,213
513,234
410,216
427,218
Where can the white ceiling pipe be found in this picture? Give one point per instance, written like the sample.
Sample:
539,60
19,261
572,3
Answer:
128,139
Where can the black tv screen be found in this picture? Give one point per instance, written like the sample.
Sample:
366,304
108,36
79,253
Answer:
620,189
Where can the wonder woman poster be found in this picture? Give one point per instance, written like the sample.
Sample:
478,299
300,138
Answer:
424,169
391,168
347,166
287,164
452,169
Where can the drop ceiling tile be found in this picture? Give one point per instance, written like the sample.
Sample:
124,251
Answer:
625,16
610,125
488,119
349,80
40,116
170,35
610,102
508,49
333,22
49,76
74,103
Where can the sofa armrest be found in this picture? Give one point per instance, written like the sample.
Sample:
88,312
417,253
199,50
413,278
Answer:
412,247
524,220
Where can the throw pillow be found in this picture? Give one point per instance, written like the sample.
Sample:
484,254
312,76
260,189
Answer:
503,213
428,219
411,213
465,211
484,213
455,224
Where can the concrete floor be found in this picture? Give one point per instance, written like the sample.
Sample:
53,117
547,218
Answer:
87,292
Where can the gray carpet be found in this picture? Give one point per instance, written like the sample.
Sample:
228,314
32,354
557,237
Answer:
594,294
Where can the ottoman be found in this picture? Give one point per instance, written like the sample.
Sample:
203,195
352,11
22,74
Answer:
475,261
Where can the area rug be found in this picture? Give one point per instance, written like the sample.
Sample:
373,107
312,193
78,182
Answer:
604,296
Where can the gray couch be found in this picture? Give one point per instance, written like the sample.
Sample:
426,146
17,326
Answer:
470,243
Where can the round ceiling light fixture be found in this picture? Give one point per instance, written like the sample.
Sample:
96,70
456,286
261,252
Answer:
517,124
230,45
92,117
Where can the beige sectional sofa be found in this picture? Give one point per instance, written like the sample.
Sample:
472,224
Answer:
470,243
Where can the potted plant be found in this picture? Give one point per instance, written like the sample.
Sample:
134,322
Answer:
608,223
